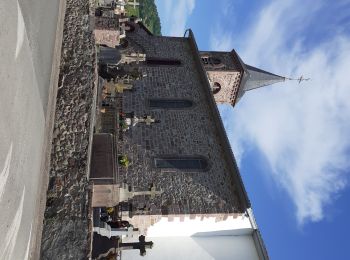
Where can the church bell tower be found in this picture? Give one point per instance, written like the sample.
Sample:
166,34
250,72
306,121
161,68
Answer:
230,77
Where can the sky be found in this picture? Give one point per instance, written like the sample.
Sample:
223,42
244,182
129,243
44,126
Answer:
291,140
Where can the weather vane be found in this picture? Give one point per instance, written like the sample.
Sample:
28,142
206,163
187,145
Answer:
300,79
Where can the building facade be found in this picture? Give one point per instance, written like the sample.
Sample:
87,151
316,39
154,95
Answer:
184,178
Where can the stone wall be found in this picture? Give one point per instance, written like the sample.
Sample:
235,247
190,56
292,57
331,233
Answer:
181,132
66,225
106,23
229,82
228,74
107,37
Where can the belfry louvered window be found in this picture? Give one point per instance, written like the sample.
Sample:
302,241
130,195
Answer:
170,103
207,60
182,163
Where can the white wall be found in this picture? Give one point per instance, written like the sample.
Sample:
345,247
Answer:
190,227
201,248
204,237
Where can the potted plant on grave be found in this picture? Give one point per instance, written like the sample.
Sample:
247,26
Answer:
123,160
123,125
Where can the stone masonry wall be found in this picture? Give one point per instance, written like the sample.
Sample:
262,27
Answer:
229,82
65,233
106,23
227,74
181,132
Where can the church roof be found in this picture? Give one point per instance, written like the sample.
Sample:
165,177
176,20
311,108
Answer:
259,78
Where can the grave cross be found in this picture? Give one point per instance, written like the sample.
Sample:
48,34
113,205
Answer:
108,231
133,57
141,245
125,194
120,87
148,120
153,192
134,3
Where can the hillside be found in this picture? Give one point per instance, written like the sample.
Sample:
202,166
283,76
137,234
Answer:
147,11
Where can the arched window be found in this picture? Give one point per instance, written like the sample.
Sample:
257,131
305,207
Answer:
170,103
205,60
181,163
216,88
160,61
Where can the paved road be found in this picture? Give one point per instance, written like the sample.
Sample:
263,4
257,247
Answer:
27,39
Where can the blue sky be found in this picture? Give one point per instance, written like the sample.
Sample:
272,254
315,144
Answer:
291,141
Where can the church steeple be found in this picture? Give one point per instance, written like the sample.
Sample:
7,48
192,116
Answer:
253,78
230,77
257,78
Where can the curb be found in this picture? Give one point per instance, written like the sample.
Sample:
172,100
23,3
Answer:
49,124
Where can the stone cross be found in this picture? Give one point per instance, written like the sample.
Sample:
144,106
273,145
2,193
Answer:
120,87
141,245
134,3
125,194
148,120
108,231
127,58
152,193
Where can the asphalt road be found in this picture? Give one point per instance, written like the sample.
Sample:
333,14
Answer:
27,40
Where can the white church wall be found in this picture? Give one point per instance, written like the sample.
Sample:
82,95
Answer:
201,248
198,225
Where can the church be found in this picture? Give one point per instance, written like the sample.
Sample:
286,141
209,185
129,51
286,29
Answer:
162,166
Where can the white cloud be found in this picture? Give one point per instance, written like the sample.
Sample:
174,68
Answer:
220,40
227,7
174,14
303,131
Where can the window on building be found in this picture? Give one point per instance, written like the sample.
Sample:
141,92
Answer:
213,61
159,61
185,163
216,88
205,60
170,103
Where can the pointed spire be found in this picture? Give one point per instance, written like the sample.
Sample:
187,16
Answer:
257,78
253,78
